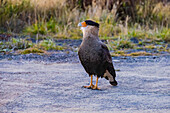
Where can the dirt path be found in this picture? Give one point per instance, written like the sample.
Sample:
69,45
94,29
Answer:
45,87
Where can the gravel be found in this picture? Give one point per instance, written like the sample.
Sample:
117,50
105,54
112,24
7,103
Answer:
53,83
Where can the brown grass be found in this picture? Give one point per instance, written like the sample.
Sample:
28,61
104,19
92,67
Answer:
141,53
35,15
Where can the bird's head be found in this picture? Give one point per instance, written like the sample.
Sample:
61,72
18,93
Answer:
89,26
87,23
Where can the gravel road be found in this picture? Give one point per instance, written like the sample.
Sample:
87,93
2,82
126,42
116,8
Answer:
40,86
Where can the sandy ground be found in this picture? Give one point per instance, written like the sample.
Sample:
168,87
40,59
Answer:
52,87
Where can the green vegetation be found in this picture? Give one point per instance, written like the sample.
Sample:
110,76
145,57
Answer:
14,44
146,20
49,45
31,50
28,46
119,44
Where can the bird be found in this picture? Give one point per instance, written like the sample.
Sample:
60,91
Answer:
94,55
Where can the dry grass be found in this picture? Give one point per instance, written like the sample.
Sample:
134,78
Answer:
28,12
142,53
42,4
58,19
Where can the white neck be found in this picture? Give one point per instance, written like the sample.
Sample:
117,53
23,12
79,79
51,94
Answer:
90,33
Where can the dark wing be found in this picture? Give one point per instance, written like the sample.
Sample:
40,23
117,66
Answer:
107,57
106,53
83,57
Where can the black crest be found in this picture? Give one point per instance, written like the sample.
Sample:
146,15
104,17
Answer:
89,22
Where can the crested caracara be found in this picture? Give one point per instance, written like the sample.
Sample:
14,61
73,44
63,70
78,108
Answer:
94,55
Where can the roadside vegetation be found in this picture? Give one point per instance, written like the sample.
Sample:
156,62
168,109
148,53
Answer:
134,24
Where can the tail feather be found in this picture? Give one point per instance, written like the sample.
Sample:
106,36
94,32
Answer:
110,75
111,70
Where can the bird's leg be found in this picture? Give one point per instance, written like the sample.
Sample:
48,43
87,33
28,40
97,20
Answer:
95,87
91,83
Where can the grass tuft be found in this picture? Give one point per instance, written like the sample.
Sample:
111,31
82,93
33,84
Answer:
14,44
121,53
32,50
139,54
49,45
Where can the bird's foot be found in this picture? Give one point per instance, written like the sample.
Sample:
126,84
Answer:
89,87
95,88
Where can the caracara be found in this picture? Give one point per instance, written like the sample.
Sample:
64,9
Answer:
94,55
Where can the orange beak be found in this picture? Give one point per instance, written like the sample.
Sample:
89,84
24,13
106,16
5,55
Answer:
82,24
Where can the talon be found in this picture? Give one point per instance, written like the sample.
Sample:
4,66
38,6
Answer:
89,87
91,84
95,88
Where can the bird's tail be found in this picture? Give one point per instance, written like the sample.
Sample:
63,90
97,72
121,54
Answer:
110,75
